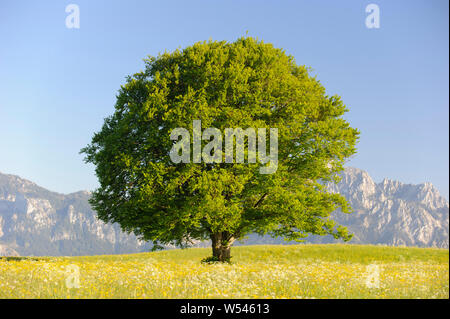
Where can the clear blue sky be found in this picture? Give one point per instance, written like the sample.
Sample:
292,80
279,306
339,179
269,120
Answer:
57,84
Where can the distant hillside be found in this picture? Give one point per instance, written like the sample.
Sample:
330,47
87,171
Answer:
35,221
388,213
393,213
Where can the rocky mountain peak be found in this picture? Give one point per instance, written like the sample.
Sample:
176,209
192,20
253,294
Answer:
392,212
35,221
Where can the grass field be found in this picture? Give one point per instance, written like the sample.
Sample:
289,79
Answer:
298,271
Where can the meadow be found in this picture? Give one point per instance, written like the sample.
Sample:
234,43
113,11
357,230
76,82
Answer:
297,271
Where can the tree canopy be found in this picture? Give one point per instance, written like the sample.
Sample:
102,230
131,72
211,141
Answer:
246,84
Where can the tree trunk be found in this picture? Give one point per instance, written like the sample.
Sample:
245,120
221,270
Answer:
221,246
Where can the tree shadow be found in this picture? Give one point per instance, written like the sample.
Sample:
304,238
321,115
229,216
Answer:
11,258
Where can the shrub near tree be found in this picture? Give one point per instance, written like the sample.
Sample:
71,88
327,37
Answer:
245,84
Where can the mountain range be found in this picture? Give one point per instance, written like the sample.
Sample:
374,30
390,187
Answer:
35,221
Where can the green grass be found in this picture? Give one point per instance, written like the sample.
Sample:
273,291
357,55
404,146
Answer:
297,271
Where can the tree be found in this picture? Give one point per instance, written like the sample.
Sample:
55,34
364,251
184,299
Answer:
245,84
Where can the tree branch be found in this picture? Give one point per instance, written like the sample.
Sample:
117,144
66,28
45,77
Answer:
260,200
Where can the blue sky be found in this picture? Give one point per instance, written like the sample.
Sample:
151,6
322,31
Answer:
57,84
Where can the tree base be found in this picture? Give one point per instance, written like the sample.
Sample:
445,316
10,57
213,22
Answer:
215,260
221,246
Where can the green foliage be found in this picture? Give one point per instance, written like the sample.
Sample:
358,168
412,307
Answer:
247,84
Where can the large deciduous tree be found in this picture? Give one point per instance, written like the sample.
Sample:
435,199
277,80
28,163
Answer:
246,84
